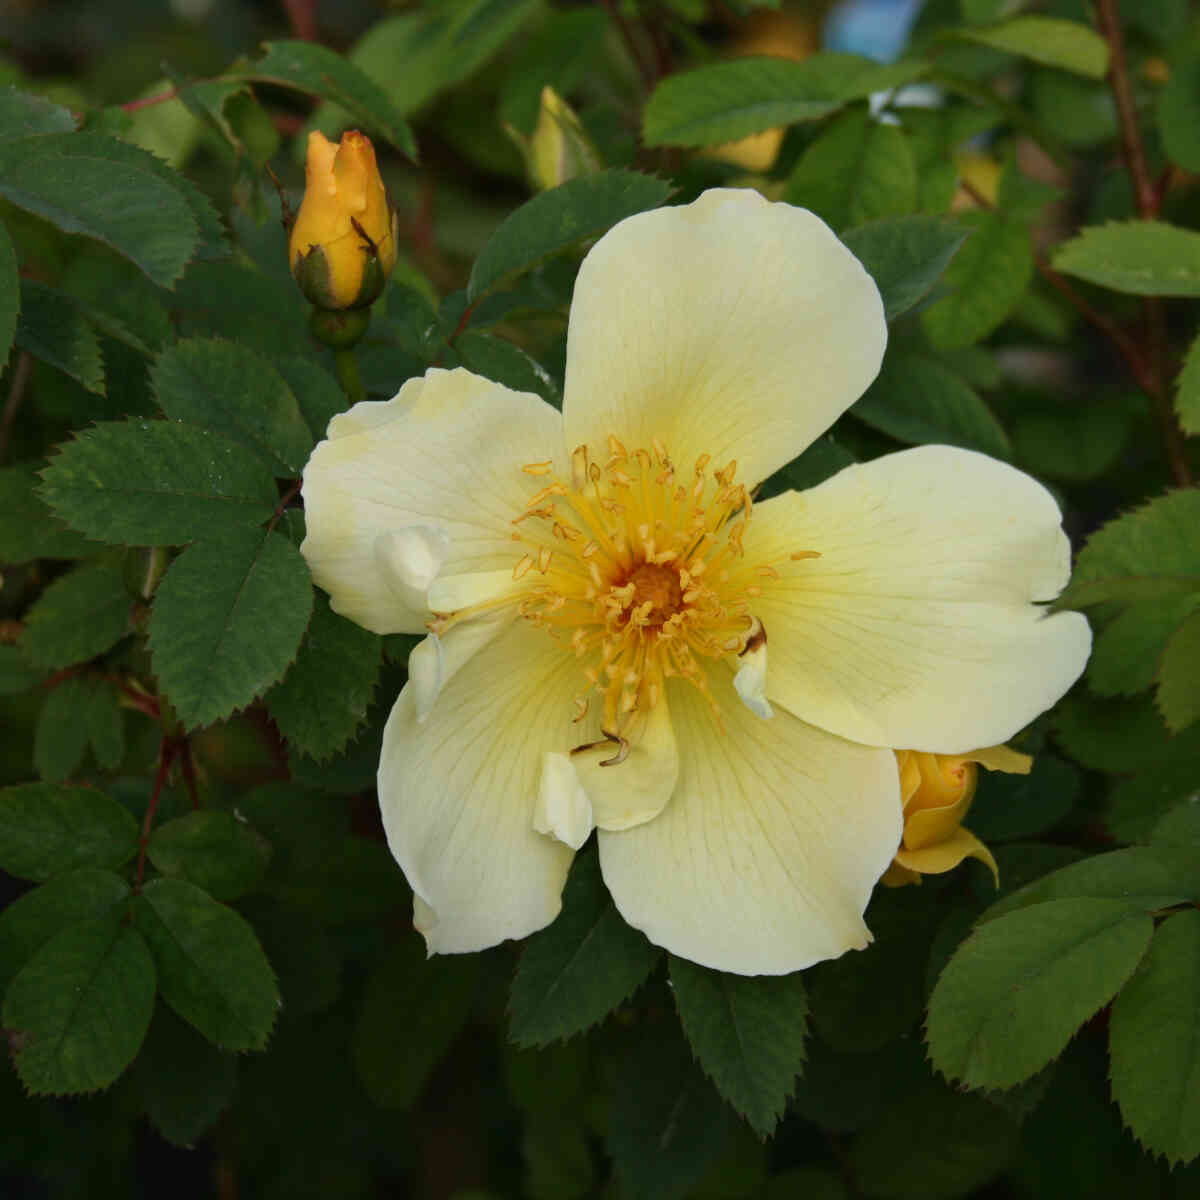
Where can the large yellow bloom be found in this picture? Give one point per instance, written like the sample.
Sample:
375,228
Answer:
603,597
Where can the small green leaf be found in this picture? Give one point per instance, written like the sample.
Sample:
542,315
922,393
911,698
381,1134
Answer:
1020,986
223,386
859,169
52,328
576,971
747,1032
95,186
666,1123
227,621
1178,110
151,483
1145,878
81,614
321,72
725,101
1128,650
323,699
495,358
79,1010
31,920
186,1082
906,256
1144,258
47,830
986,280
558,219
211,969
316,391
213,850
23,114
1148,554
28,530
413,1008
917,399
1051,41
79,710
1178,693
1187,391
1155,1043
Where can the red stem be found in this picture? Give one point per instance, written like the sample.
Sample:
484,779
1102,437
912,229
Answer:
166,753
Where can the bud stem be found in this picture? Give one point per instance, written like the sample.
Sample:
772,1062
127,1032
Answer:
347,372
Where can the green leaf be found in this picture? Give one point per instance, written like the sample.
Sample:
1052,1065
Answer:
906,256
211,969
413,1008
324,698
150,483
227,622
1074,444
747,1033
1178,694
52,328
23,114
17,673
1148,554
317,392
986,279
1180,827
558,219
1187,391
1127,653
495,358
577,970
1155,1043
1051,41
321,72
1136,803
666,1123
1020,986
1143,878
213,850
932,1143
1178,110
226,387
1007,807
31,920
79,1010
1110,735
10,292
859,169
80,615
79,710
725,101
95,186
822,460
186,1082
27,528
47,830
917,399
1144,258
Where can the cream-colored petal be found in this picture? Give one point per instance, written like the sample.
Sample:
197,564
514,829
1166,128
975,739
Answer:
764,859
458,793
628,785
441,460
915,627
563,809
434,661
731,326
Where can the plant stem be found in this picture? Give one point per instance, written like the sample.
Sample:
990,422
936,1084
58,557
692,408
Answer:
1146,196
346,365
166,754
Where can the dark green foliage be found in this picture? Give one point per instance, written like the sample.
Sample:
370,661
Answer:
80,615
53,329
27,528
576,971
213,850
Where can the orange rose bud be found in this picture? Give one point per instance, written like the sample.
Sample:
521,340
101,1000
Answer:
936,791
342,246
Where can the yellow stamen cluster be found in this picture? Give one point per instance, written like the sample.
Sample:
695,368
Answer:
637,569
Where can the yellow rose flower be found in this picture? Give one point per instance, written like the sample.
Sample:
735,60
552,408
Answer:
342,246
602,594
559,148
936,791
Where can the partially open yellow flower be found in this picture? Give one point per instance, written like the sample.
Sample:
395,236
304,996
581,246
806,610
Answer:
602,594
936,791
342,246
559,148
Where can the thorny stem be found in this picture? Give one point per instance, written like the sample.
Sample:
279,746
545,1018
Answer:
166,754
1146,195
284,501
20,380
